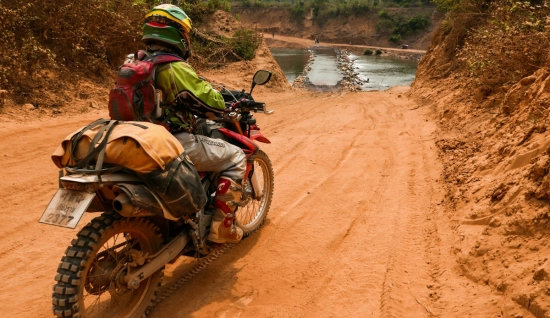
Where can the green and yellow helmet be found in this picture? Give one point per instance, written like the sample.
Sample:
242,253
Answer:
170,25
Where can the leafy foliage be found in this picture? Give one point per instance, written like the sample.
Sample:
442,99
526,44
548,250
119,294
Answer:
501,48
384,14
52,43
400,25
63,34
298,10
214,51
367,52
395,38
245,44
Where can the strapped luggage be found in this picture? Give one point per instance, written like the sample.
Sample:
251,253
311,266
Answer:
148,149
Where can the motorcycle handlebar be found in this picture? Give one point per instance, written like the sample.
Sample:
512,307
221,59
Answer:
247,105
252,104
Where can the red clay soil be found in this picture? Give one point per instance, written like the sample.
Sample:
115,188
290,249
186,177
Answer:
356,228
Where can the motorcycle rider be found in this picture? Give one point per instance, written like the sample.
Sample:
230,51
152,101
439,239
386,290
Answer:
166,31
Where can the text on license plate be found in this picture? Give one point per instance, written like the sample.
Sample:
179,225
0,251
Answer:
66,208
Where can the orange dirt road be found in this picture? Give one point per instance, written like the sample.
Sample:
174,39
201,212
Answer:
355,229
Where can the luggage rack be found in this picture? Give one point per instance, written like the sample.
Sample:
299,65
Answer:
90,174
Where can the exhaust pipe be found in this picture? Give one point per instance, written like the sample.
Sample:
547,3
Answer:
123,205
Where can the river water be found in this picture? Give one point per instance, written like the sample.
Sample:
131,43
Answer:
291,61
324,69
382,72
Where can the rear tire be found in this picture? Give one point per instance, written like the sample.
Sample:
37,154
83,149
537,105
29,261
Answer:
251,216
88,279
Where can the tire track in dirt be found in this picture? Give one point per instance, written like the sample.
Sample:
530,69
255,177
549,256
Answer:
340,251
341,161
406,238
30,251
375,252
287,161
298,115
395,298
389,304
329,263
346,227
345,158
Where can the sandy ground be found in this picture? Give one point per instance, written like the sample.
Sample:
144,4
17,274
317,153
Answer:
356,228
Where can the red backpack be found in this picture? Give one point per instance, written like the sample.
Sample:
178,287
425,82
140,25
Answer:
133,97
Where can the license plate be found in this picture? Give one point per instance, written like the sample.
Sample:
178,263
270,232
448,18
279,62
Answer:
66,208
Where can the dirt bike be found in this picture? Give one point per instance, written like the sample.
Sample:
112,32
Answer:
114,266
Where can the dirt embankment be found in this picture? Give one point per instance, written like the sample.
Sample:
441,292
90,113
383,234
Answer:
54,67
362,29
495,145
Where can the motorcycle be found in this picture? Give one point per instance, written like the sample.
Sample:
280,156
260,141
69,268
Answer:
114,266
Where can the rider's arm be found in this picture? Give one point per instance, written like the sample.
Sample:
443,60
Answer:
174,78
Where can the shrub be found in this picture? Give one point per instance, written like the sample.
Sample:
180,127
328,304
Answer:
378,52
327,9
53,43
298,10
244,44
395,38
214,5
418,23
344,10
65,36
384,25
367,52
360,7
384,14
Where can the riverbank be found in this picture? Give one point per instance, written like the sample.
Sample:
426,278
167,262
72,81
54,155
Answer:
281,41
372,27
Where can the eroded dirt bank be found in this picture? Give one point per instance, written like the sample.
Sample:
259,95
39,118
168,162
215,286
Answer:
494,144
365,28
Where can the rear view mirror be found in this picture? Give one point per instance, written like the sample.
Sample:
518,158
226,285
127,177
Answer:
260,78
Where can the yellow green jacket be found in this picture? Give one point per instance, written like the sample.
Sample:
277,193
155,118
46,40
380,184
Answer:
176,77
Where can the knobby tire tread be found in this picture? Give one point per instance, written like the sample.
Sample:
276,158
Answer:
70,271
266,159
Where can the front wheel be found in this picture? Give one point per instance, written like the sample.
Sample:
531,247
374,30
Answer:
251,215
90,277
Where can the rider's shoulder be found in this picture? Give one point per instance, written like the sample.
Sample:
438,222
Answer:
182,66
